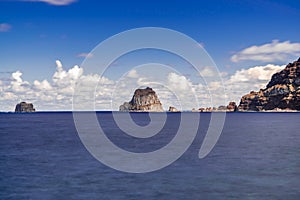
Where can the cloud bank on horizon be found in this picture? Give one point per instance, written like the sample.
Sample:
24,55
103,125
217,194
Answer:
57,93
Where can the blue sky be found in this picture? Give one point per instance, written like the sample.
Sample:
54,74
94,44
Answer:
36,33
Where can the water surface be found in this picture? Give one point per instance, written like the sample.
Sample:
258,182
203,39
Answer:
256,157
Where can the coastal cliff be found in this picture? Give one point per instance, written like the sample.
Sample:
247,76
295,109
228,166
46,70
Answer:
24,107
143,100
281,93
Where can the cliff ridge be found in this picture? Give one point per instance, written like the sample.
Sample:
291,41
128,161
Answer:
281,93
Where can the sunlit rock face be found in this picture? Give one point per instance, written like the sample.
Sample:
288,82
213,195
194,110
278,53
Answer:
281,93
143,100
173,109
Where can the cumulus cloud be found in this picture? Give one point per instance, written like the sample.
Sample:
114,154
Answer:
206,72
133,74
178,82
173,89
17,83
252,79
55,2
43,85
257,73
209,72
17,76
63,78
183,89
270,52
47,95
5,27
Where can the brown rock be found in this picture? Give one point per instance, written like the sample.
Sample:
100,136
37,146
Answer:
143,100
281,93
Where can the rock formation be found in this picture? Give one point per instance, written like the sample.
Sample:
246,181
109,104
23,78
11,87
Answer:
173,109
24,107
143,100
222,108
232,107
281,93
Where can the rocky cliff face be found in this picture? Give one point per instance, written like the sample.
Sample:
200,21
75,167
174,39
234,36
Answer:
143,100
24,107
281,93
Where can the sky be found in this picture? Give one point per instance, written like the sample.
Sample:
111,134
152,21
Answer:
45,42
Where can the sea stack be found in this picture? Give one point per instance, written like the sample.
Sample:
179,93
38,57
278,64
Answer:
143,100
232,107
24,107
282,93
173,109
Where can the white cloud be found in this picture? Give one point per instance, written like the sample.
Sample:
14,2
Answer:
5,27
270,52
245,80
173,89
58,65
85,55
55,2
47,95
17,76
43,85
182,90
66,78
206,72
178,82
17,83
257,73
209,72
132,74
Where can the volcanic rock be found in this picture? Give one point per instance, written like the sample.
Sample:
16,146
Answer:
24,107
143,100
281,93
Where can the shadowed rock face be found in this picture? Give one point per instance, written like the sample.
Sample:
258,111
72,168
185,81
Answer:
232,107
24,107
143,100
282,92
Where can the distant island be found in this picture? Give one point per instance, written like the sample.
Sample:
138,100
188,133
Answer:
24,107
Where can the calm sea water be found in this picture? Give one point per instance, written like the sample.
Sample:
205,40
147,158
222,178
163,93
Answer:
256,157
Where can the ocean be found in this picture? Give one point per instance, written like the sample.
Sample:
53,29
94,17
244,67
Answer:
256,157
